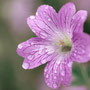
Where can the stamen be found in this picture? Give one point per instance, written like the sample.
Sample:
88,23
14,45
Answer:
66,48
61,42
65,44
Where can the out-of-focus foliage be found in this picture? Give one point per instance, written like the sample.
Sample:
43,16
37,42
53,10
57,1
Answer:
12,76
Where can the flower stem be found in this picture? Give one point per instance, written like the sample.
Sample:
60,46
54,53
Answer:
85,75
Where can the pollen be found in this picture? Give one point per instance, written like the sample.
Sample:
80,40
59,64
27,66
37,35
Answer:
66,48
65,45
61,42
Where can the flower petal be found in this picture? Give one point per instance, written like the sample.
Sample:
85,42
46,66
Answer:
81,49
45,23
65,14
78,21
66,73
35,51
51,74
57,71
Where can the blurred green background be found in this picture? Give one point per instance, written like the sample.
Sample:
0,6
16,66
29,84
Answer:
14,30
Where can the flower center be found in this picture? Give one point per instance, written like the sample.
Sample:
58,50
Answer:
66,48
65,45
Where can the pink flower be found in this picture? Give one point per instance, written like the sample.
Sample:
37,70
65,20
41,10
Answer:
60,42
42,86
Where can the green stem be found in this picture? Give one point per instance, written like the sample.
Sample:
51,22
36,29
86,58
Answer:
85,75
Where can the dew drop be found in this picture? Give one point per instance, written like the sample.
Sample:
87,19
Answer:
55,71
36,13
47,76
48,84
69,64
30,57
49,50
32,43
83,51
61,67
58,61
44,34
63,73
43,61
45,70
89,55
46,7
25,65
49,19
33,30
74,54
20,46
82,17
40,51
32,17
55,85
55,77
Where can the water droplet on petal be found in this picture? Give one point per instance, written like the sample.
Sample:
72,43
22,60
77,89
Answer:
55,77
33,30
48,84
83,51
74,54
44,34
46,7
82,17
55,85
25,65
55,71
43,61
58,61
47,76
49,19
61,67
63,73
70,64
89,55
50,50
36,13
45,70
32,17
40,51
32,43
20,46
30,57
